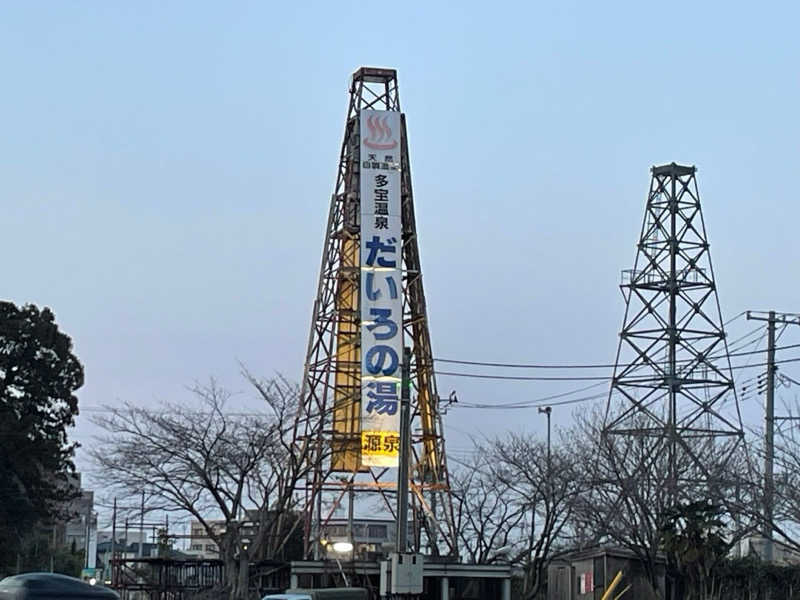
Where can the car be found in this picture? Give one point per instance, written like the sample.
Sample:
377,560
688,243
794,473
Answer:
321,594
52,586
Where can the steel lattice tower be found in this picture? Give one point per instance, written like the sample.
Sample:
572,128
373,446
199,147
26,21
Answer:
331,391
673,375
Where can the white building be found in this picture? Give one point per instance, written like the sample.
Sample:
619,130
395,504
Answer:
131,536
370,537
200,545
755,545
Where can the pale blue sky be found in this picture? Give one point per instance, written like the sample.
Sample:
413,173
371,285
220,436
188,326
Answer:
165,172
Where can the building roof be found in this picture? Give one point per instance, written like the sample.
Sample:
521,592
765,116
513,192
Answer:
599,551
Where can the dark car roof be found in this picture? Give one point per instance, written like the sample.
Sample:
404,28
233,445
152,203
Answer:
44,586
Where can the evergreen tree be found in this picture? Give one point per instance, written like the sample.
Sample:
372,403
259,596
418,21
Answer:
39,375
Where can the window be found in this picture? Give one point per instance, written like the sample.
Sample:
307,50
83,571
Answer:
211,548
376,531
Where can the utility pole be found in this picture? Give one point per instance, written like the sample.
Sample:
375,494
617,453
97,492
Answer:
771,318
547,410
351,498
141,529
769,424
87,545
405,449
113,541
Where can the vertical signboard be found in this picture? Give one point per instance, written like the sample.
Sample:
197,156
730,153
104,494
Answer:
381,288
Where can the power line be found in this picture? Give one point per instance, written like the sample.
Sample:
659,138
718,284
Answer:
785,376
757,330
520,377
103,409
591,378
764,364
733,318
533,403
518,365
589,366
595,366
543,399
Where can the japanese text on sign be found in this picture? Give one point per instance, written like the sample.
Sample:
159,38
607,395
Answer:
381,287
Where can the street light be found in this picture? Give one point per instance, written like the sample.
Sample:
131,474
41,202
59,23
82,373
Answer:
342,547
547,410
336,549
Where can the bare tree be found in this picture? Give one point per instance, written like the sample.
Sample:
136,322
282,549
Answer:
510,497
547,482
634,485
626,494
786,522
211,463
487,515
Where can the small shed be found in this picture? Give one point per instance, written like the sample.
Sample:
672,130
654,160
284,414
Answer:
585,574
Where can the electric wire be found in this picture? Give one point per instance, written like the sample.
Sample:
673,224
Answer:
594,366
794,381
600,381
758,343
563,397
597,366
537,401
545,400
583,378
534,403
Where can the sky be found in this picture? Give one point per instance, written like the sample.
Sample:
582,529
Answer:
166,169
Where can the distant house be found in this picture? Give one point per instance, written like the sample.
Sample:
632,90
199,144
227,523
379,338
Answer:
370,537
585,574
755,545
123,550
200,545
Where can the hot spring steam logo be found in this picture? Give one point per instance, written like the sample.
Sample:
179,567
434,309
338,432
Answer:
381,136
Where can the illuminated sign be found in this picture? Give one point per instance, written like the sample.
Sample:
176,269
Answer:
381,288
